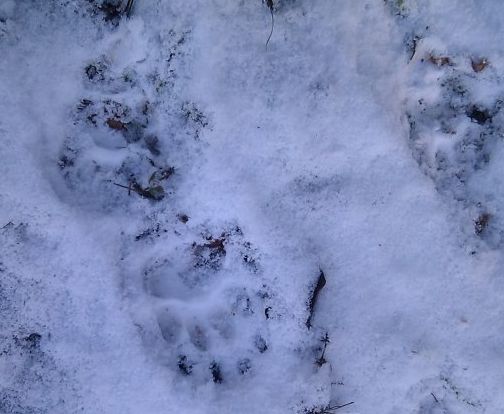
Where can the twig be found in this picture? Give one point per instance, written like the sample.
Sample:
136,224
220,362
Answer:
122,186
129,8
10,223
321,360
269,3
155,192
321,282
131,187
337,407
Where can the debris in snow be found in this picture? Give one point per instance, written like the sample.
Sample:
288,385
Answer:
260,344
479,65
270,5
326,409
153,192
129,7
481,223
183,218
439,60
184,366
479,115
116,124
321,359
216,372
312,301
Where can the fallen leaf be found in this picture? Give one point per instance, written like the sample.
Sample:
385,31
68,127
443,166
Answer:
116,124
479,65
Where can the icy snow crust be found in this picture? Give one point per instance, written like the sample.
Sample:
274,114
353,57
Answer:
172,190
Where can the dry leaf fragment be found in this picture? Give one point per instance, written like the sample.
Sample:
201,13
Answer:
116,124
440,60
479,65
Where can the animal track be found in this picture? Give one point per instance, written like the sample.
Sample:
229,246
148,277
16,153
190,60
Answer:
454,133
204,308
201,297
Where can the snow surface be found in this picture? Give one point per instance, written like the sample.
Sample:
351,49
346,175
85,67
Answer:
363,142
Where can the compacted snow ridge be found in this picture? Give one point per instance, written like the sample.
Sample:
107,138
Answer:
193,222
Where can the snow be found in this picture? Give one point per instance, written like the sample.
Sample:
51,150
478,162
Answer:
361,143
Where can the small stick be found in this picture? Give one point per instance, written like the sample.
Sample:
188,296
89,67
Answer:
433,396
269,3
341,406
123,186
129,188
10,223
129,8
321,361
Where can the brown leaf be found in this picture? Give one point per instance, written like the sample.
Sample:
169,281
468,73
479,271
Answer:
479,65
440,60
217,244
116,124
